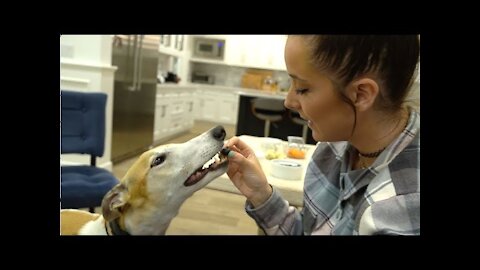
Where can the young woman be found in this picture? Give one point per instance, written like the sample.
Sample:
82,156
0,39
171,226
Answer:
364,176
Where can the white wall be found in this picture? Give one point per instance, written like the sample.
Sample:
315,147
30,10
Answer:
85,65
95,49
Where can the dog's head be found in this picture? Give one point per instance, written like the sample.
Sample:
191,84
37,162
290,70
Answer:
167,175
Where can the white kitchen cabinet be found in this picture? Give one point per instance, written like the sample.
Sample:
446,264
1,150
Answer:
220,106
161,117
174,112
228,109
256,51
240,51
188,104
209,106
172,44
276,58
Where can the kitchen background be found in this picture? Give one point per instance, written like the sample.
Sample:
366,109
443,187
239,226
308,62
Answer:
205,82
186,85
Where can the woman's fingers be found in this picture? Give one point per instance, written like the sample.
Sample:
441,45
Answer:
235,141
236,177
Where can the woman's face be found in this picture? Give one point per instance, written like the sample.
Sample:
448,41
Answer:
312,94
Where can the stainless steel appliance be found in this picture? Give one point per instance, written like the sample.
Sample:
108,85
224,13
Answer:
136,58
200,77
209,48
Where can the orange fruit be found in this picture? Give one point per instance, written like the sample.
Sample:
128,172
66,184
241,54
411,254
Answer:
296,153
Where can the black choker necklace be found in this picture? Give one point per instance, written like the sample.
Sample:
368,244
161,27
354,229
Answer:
371,155
376,154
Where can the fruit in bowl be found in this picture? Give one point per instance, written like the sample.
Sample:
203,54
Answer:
296,153
296,147
273,154
272,148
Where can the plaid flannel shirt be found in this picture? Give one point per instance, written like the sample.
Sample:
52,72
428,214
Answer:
381,199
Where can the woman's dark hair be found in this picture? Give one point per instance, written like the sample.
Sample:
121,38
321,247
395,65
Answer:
391,58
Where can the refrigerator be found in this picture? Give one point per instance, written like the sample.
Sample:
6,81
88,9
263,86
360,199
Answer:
135,86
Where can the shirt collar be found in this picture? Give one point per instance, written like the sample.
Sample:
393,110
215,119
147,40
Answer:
362,177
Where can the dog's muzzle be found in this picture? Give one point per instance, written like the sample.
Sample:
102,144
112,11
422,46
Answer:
216,162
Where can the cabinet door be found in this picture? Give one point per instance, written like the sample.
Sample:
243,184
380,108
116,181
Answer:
278,52
227,109
270,53
161,117
235,52
245,51
256,51
209,107
175,113
172,44
188,109
177,107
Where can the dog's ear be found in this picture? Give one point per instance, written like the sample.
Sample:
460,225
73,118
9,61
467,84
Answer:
114,202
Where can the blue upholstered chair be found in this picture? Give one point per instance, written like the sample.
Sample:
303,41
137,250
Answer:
83,132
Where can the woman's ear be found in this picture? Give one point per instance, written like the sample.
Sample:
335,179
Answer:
364,93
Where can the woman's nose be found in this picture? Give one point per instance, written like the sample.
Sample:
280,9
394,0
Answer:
290,100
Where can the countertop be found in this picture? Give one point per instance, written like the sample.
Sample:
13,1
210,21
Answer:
291,190
237,90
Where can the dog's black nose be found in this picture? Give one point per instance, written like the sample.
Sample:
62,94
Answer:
219,133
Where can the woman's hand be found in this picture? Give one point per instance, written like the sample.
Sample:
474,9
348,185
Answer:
246,173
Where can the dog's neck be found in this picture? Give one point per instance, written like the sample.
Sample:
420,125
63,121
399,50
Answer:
152,219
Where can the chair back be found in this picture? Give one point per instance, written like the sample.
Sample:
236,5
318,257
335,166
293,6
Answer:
265,108
83,122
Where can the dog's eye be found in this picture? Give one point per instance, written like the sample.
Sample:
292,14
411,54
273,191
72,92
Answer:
158,160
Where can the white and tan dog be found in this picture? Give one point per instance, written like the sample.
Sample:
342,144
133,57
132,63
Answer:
152,191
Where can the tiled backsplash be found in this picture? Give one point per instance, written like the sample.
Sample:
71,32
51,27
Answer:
232,76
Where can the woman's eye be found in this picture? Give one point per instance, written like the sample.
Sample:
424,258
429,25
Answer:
301,91
157,161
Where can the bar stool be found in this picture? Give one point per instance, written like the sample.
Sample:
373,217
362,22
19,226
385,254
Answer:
269,110
295,117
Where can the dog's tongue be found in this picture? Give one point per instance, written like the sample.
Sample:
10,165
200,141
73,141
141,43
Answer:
194,178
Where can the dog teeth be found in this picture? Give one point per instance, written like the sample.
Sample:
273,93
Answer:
209,162
206,165
213,160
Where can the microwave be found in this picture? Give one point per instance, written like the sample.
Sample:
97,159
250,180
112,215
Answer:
209,48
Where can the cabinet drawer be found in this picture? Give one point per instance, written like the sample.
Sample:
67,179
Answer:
176,121
177,108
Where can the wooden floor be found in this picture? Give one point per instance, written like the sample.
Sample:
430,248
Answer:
208,211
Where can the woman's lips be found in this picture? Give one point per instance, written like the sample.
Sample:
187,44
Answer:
309,122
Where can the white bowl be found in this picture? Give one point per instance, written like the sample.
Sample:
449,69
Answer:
286,169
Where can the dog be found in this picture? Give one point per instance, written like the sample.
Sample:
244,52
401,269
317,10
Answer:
152,191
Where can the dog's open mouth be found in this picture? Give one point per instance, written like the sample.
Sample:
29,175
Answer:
217,161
